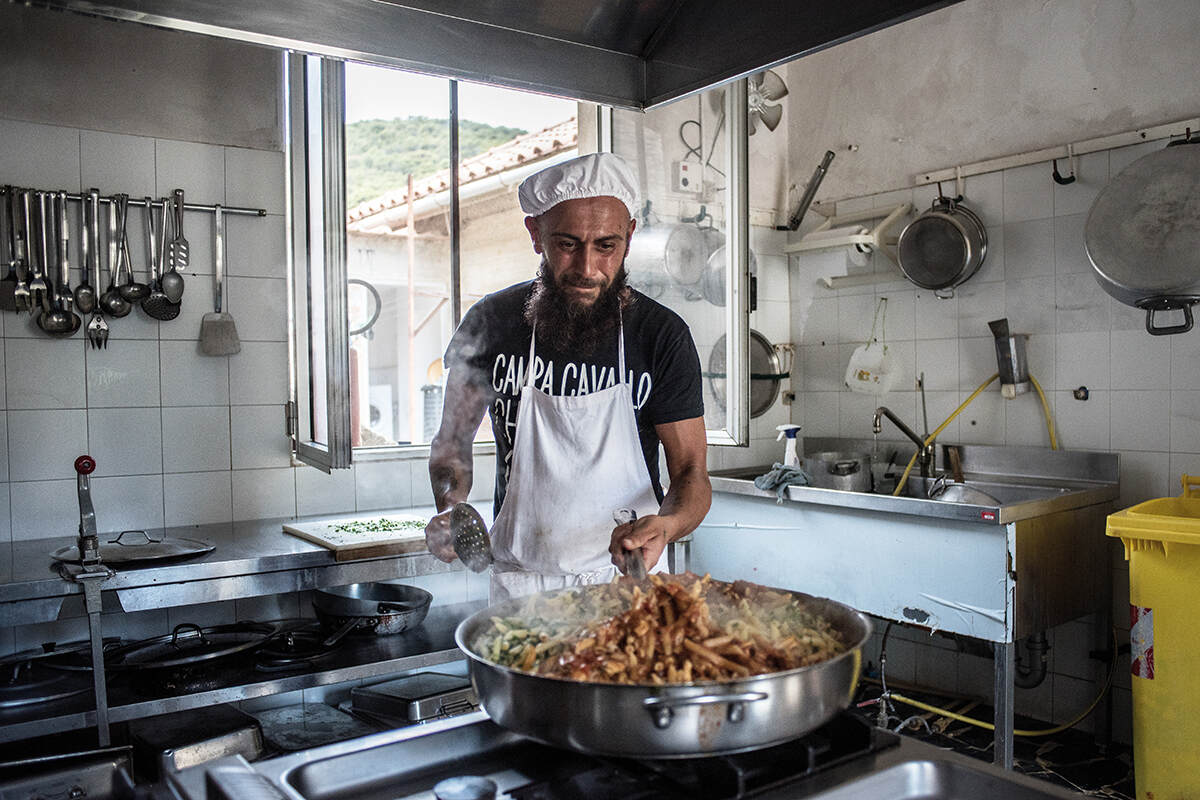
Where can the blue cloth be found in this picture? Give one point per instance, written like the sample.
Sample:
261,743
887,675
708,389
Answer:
781,477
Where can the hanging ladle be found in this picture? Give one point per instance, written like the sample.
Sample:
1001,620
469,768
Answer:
85,293
157,305
132,290
60,320
111,301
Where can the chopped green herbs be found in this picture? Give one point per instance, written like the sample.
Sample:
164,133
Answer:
381,525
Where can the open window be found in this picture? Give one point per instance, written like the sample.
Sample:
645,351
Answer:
404,214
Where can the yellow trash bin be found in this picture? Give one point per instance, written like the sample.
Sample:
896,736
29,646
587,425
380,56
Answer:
1162,546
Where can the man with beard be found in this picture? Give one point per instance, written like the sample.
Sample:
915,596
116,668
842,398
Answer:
583,377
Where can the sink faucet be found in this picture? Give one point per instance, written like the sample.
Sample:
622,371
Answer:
926,458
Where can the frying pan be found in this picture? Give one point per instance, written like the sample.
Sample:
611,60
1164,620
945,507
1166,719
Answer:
1143,233
672,721
382,608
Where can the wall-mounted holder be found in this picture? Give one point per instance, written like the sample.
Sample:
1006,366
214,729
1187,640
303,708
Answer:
846,231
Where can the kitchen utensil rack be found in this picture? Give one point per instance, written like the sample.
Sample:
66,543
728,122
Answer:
97,329
208,207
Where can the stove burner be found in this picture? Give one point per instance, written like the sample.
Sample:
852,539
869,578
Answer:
720,777
293,648
467,787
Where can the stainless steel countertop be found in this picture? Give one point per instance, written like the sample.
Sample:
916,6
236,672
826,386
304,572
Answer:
1084,478
252,558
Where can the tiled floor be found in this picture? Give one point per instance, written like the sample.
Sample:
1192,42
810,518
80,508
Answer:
1071,759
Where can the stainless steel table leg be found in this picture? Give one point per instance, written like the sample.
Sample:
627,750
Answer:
1004,661
91,594
673,551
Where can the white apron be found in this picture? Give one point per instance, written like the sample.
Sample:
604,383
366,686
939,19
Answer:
575,460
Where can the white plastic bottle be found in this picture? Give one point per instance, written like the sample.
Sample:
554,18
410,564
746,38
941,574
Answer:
791,458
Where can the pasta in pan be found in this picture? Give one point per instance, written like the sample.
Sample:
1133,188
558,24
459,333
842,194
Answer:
668,630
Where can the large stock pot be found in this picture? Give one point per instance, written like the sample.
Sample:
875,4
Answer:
673,721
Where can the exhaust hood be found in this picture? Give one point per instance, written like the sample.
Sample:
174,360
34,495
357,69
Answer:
627,53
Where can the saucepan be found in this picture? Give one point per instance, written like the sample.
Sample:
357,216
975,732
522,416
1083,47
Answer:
849,472
942,247
382,608
683,720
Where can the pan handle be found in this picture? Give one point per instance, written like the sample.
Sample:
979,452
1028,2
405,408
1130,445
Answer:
1180,303
662,709
397,608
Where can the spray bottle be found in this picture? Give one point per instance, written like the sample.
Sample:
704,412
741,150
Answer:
790,457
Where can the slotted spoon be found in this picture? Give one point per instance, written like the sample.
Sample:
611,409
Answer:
470,536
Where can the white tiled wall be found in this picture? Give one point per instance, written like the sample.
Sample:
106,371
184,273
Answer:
1143,398
179,438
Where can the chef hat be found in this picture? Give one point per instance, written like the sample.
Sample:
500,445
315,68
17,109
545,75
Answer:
593,175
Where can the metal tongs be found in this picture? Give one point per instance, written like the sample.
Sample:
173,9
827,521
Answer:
635,563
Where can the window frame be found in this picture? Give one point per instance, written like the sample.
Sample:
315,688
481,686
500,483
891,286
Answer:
326,301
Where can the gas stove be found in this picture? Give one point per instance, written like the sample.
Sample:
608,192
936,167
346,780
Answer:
729,777
833,761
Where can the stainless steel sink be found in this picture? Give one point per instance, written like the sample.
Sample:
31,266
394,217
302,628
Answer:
742,473
936,780
1003,484
970,492
980,493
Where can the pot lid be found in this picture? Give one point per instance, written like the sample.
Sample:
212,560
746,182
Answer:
189,644
765,374
1143,230
31,683
67,656
130,547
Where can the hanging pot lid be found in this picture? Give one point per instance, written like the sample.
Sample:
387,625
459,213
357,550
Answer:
765,373
1143,231
129,547
189,644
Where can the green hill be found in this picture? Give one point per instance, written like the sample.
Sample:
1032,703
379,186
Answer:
380,153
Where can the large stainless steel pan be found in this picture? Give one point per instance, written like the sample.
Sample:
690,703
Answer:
675,721
1143,234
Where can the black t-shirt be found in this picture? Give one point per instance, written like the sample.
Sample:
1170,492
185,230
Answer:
660,357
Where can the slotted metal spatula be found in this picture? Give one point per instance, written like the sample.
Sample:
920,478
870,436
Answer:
470,537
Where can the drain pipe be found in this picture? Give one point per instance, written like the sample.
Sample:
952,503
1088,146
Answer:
1030,675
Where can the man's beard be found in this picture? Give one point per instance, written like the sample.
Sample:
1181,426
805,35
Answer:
573,326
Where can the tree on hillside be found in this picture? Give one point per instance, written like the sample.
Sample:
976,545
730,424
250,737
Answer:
380,153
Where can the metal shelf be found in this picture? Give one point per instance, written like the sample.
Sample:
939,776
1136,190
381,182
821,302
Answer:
251,559
360,658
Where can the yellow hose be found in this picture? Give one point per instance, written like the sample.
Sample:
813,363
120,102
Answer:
904,478
989,726
1046,413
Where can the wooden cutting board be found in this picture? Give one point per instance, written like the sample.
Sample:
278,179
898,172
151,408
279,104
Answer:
363,536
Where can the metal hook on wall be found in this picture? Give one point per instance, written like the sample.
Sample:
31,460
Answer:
1069,179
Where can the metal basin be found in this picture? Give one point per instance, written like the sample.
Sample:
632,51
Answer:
938,780
980,493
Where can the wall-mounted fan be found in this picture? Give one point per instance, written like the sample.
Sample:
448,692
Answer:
762,90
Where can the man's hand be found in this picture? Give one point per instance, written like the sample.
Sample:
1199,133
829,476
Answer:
438,538
649,534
